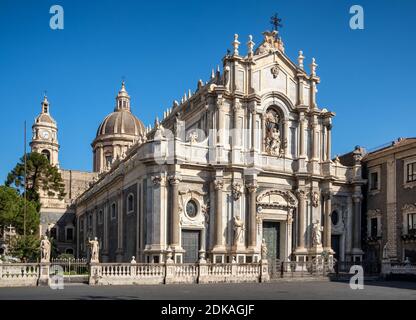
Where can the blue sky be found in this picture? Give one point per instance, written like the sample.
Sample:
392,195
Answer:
162,48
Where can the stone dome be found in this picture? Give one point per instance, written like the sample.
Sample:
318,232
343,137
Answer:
121,122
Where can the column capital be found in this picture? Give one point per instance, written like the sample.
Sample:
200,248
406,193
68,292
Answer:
220,102
174,179
159,180
237,106
218,184
301,194
327,194
252,187
357,198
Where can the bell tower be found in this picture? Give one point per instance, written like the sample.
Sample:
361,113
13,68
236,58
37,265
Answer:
45,135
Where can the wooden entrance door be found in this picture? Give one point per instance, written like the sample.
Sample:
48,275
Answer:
271,234
190,243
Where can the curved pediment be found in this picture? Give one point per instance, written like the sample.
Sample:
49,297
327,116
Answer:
277,198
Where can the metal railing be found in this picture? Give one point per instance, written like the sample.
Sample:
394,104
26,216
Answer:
72,266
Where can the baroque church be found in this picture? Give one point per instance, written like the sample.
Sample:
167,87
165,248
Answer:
242,161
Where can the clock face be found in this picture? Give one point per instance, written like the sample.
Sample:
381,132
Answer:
45,134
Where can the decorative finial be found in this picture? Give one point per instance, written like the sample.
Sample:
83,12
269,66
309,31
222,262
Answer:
275,21
212,74
313,67
235,44
300,59
250,45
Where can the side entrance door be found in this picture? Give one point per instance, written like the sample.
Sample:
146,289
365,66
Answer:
190,243
271,234
335,244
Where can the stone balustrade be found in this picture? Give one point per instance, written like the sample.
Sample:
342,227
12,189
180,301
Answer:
128,273
19,274
32,274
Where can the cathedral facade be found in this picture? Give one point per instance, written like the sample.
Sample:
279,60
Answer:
243,160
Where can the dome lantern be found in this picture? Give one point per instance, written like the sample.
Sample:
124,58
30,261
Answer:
122,99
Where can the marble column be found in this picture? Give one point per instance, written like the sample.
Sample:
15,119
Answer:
328,142
302,134
105,224
218,185
252,232
301,220
314,139
327,221
94,222
174,211
253,127
220,123
357,221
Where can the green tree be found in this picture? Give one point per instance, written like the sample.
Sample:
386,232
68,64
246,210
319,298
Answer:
27,248
41,176
12,211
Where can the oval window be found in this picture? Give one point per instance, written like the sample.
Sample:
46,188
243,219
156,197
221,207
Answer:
191,208
334,217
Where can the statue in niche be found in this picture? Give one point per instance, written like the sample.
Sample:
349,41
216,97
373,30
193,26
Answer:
273,139
238,229
316,234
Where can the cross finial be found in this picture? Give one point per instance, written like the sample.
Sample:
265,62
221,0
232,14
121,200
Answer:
275,21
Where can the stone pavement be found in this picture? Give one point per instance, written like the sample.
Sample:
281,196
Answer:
280,290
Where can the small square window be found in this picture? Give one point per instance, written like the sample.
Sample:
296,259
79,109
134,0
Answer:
374,181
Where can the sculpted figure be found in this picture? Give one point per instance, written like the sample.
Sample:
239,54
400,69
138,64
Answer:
45,249
94,250
316,234
238,228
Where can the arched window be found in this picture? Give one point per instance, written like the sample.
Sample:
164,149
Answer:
130,203
47,154
113,211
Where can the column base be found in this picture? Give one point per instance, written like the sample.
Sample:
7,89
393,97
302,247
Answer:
302,165
314,166
218,254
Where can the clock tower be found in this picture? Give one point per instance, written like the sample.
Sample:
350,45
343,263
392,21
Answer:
45,135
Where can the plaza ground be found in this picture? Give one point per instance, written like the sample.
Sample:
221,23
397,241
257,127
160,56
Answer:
281,290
